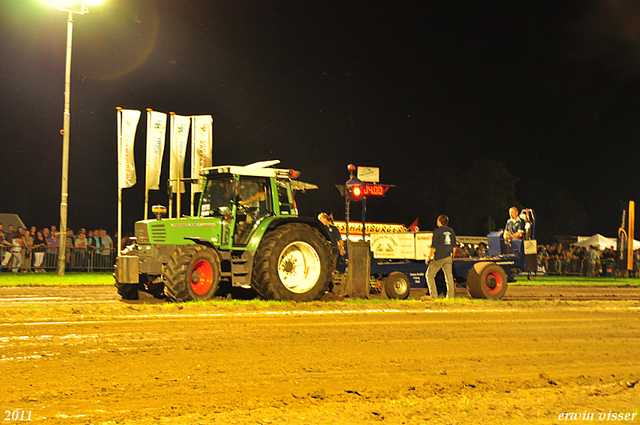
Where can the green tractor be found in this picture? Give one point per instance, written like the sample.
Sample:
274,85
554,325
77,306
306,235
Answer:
246,231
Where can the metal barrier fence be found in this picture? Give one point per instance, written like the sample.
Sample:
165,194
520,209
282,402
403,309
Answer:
576,267
20,259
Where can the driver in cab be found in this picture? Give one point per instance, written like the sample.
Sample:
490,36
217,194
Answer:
256,197
254,204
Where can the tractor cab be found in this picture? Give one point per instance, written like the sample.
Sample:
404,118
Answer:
243,196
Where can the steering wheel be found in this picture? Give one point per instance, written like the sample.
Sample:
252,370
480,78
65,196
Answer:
247,210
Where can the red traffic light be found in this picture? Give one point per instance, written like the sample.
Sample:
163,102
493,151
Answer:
354,189
355,192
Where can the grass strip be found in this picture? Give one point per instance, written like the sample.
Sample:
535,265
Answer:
575,281
106,278
52,279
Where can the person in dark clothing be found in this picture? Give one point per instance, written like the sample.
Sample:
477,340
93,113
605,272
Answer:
441,257
39,246
337,244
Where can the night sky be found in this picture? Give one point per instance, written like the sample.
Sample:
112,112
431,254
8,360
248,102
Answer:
420,89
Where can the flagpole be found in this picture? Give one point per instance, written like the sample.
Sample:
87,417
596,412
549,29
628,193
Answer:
192,198
193,150
146,172
632,226
178,198
119,121
172,125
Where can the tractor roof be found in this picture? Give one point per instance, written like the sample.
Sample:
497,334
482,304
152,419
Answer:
257,169
260,169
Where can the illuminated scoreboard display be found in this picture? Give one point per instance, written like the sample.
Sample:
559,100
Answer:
374,189
365,185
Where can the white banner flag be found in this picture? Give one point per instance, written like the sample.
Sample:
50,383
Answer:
178,142
201,146
156,131
127,125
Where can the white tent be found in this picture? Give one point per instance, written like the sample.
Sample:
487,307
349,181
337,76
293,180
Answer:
602,242
598,241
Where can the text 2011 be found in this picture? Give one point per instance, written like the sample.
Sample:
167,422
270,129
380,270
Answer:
17,415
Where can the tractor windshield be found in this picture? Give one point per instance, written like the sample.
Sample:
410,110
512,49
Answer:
217,198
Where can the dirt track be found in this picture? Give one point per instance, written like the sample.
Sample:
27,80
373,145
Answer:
414,362
106,295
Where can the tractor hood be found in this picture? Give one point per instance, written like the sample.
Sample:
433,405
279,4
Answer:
175,231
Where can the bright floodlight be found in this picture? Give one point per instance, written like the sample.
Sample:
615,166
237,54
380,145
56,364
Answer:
75,6
71,3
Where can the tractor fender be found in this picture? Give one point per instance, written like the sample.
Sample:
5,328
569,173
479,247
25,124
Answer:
269,225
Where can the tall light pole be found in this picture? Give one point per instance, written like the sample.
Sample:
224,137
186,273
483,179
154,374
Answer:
80,8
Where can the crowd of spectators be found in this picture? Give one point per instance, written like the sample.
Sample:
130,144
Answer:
36,250
581,261
556,259
471,250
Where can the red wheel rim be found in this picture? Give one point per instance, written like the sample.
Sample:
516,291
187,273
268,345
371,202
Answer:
201,277
493,277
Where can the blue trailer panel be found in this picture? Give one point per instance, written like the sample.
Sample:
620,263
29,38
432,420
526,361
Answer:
484,277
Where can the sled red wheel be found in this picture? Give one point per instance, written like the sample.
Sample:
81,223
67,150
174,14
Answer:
487,280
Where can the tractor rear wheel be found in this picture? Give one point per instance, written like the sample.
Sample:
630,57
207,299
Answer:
193,273
397,285
292,264
487,280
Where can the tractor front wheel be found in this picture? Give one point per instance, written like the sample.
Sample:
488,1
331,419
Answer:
193,273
